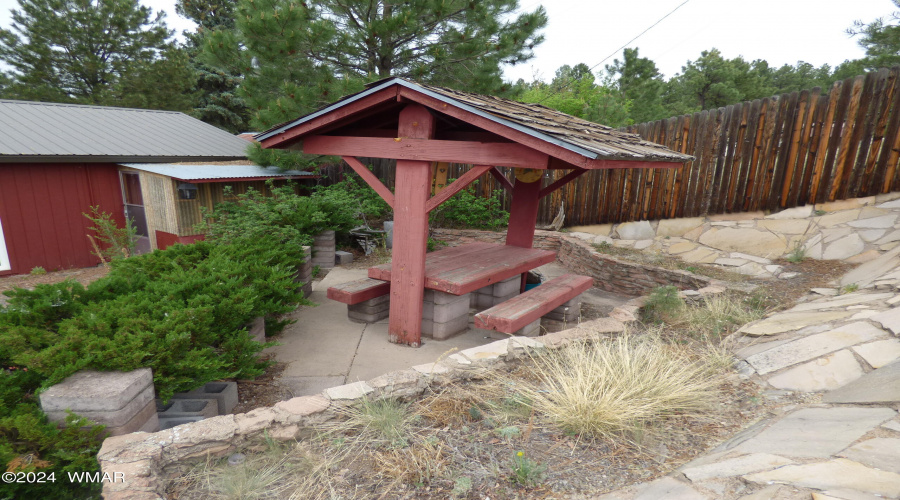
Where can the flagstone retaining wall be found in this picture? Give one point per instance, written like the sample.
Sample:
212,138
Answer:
856,231
575,252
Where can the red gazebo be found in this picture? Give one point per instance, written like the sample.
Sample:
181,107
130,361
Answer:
419,124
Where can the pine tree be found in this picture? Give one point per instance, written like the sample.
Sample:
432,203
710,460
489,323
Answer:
640,82
218,102
296,56
78,50
881,39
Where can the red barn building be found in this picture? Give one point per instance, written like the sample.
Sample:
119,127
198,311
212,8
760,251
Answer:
58,160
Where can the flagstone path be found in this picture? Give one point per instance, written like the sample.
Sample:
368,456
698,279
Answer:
846,444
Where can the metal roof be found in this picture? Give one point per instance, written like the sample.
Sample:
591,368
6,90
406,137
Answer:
47,132
213,173
589,139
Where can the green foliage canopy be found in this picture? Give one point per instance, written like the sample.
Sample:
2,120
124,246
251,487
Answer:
92,52
297,56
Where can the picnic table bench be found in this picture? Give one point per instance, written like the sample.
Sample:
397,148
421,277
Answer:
480,275
522,310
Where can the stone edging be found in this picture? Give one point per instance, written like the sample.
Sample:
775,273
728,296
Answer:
144,457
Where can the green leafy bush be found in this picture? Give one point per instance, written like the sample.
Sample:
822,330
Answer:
292,218
355,200
466,210
182,312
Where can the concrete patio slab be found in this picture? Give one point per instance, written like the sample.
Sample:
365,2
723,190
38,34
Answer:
324,349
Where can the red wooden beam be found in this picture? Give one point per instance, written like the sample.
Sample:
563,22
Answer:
562,182
457,186
402,148
501,179
413,186
284,139
370,179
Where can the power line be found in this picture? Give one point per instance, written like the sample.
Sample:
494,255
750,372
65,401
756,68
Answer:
622,47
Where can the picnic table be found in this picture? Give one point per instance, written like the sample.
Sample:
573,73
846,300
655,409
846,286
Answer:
463,269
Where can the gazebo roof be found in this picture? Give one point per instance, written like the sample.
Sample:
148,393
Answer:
544,129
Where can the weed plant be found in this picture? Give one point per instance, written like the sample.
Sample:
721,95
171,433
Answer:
110,241
527,472
664,305
797,254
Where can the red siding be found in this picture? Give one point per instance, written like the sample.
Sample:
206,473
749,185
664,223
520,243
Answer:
164,240
41,207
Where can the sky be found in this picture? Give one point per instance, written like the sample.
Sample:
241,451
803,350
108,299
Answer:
589,31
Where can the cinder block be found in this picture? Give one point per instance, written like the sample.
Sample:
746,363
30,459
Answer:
441,331
152,425
324,236
205,408
225,393
144,420
367,318
506,287
341,257
96,391
364,308
257,329
439,297
306,289
532,329
386,298
168,423
114,418
552,325
504,298
448,312
428,310
484,301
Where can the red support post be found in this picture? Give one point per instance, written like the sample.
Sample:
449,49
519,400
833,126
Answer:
526,197
411,192
523,213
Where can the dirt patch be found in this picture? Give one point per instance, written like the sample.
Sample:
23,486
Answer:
813,274
469,442
84,276
263,391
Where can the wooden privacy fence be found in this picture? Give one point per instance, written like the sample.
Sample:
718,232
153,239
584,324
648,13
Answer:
768,154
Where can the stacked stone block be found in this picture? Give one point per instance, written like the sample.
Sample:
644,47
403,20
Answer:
444,314
257,329
206,408
323,250
122,401
224,393
304,273
563,317
491,295
370,311
342,258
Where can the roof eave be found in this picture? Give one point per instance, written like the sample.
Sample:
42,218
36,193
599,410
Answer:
111,159
434,95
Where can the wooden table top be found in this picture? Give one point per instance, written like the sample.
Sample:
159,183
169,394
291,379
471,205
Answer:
466,268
